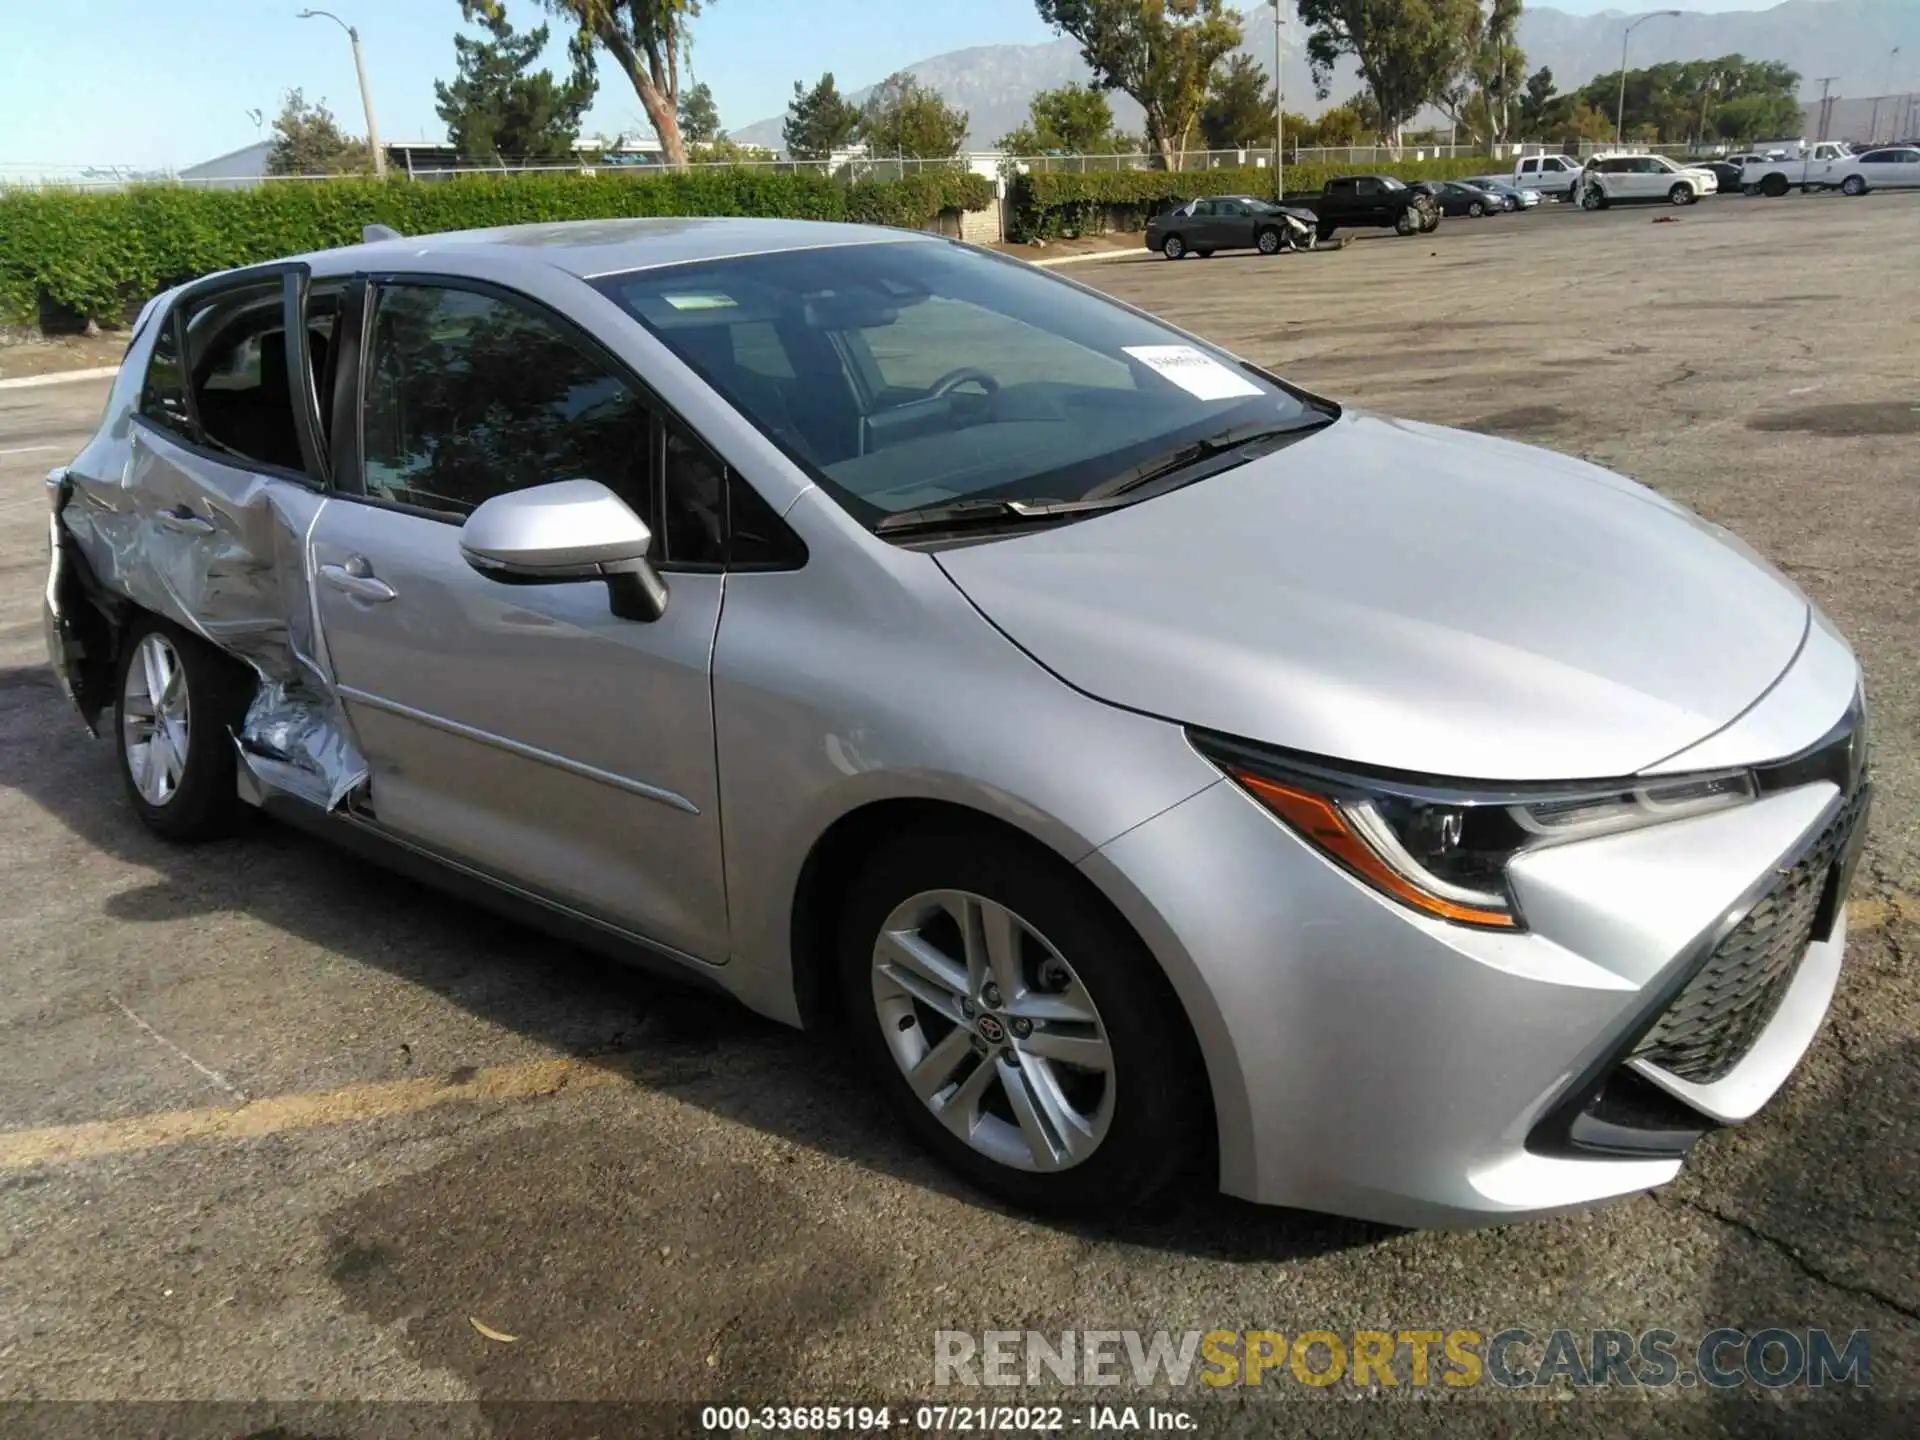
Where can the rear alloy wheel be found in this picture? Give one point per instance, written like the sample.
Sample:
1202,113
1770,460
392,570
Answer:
1173,247
1268,241
179,703
1853,185
1019,1028
1682,194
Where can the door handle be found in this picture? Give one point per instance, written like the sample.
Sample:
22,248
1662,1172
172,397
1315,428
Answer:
356,578
183,521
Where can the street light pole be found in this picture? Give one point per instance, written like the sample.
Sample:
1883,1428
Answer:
1620,117
1279,115
366,95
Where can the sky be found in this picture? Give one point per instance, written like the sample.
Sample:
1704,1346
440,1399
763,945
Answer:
82,81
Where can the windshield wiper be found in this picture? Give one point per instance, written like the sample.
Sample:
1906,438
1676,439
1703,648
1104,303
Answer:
1243,444
960,514
982,512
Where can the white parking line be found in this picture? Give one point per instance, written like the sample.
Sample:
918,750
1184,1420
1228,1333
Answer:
26,382
30,449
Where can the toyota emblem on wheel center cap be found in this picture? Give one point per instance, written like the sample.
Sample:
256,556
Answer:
991,1030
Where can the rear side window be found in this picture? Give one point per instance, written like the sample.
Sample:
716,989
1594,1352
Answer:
163,394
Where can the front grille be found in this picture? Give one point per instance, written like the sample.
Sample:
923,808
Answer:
1720,1013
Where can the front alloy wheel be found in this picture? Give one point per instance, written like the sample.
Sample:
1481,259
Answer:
1593,198
993,1030
1682,194
1268,242
1017,1025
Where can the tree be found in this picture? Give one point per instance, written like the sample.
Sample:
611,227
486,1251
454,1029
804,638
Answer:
1408,51
1161,52
903,117
1497,65
1758,117
307,140
1342,125
500,106
1074,118
1537,103
819,121
700,117
1240,105
646,39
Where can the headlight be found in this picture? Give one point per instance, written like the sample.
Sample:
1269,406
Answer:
1444,850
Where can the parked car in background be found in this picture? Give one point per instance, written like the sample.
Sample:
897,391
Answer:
1726,172
1553,175
1369,202
1463,197
1815,167
1609,179
1231,222
1891,167
1516,197
1151,774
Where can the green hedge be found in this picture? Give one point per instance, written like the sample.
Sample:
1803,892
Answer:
96,254
1058,203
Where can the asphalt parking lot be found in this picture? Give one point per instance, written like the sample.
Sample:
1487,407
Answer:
277,1125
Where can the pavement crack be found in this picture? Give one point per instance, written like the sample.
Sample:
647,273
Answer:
1798,1258
212,1075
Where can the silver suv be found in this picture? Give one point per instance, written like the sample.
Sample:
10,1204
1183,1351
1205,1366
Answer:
1152,766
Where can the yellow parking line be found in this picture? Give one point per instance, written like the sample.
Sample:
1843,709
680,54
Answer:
22,1149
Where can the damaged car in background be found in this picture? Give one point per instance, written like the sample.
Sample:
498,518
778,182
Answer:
1154,770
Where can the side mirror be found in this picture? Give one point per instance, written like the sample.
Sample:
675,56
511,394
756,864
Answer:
567,531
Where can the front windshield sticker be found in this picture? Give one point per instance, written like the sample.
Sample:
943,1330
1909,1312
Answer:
1194,371
700,302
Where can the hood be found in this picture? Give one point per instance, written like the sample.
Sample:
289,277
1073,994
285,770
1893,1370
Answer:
1410,597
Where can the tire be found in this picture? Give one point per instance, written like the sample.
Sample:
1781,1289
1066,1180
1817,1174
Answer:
1476,210
1774,186
1593,198
1325,231
1173,247
1853,185
177,758
1267,242
1203,254
1406,223
1682,194
1147,1116
1430,220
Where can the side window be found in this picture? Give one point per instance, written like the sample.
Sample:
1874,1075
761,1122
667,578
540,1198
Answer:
1342,187
163,393
468,396
1367,189
235,369
696,503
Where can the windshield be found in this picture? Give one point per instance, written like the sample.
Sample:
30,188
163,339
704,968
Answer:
1387,182
908,375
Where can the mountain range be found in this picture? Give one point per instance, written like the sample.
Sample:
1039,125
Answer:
1849,40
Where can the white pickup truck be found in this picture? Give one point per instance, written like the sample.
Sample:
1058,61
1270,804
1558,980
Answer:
1548,174
1819,166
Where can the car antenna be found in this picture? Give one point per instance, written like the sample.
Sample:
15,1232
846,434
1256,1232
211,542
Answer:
371,233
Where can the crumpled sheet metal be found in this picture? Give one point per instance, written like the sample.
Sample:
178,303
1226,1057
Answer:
222,552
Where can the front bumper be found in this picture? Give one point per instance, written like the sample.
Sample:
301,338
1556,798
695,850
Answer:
1368,1061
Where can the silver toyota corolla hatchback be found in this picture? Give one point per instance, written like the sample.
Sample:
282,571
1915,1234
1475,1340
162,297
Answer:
1158,770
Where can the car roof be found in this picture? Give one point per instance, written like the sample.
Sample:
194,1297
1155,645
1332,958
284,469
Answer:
587,248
